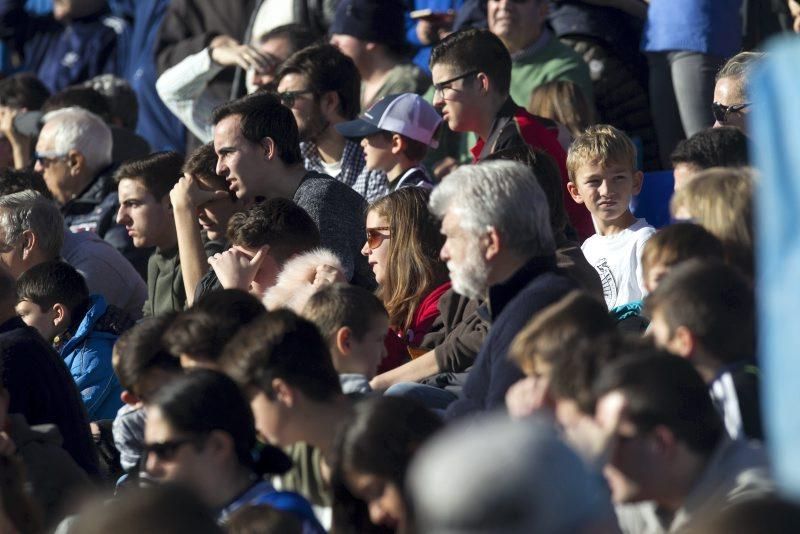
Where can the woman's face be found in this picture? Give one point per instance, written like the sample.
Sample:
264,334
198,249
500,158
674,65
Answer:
376,248
383,498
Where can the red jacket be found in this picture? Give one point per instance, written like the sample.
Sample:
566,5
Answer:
398,342
517,126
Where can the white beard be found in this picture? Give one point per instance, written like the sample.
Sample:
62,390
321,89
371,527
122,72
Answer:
470,278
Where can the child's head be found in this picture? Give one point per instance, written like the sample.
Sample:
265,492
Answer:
141,362
553,334
705,311
263,519
602,172
49,295
144,206
674,244
197,336
564,102
395,132
354,323
279,223
215,214
725,146
284,366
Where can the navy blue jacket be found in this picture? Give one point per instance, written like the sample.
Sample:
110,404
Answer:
510,306
62,55
40,388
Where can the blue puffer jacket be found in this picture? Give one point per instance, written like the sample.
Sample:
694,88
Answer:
88,356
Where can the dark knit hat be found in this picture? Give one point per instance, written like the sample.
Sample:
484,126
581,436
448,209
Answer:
376,21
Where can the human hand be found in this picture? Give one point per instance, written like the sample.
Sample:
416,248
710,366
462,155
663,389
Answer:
794,9
186,194
229,53
381,382
7,116
523,398
235,269
328,274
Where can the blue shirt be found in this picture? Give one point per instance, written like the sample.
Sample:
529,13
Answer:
711,27
263,492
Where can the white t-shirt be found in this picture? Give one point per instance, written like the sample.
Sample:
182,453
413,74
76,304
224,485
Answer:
617,258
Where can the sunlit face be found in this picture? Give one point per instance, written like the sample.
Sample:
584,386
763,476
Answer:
12,259
304,105
605,190
241,162
277,50
378,152
377,254
466,262
215,214
538,372
271,420
383,498
149,222
728,92
683,173
516,22
42,320
53,166
371,349
458,100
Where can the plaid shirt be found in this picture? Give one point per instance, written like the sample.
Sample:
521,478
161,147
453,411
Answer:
372,185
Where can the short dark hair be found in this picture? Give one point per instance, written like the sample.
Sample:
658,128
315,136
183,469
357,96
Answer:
17,180
297,35
23,90
212,321
278,222
715,302
158,172
713,147
327,69
202,163
475,50
679,242
53,282
263,519
82,97
343,305
262,115
140,350
662,389
282,345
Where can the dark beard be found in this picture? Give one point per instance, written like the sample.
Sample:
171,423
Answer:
316,126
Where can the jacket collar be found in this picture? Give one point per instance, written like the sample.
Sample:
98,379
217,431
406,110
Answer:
501,294
12,324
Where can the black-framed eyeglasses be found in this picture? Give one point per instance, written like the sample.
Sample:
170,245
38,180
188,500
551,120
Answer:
375,237
288,97
721,112
438,88
166,450
46,158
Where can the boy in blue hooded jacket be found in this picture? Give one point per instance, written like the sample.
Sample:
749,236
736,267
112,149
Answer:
53,299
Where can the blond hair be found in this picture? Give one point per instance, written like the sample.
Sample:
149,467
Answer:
721,200
564,102
600,144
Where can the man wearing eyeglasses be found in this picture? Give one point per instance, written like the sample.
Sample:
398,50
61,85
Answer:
471,72
731,106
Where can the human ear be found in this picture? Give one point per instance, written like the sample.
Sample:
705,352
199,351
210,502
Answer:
572,189
342,339
282,393
683,342
397,144
29,242
75,161
59,314
270,150
638,181
494,242
129,397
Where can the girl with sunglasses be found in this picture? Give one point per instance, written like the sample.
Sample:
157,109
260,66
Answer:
200,434
402,248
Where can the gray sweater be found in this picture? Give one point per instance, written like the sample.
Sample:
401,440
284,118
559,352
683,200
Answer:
340,215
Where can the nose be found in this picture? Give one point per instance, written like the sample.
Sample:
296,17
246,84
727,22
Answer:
221,169
37,166
334,40
121,215
444,254
152,465
365,250
438,98
376,514
604,188
363,142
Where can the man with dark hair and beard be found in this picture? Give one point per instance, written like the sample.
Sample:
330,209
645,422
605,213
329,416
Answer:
322,88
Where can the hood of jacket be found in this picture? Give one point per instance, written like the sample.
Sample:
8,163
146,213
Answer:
295,283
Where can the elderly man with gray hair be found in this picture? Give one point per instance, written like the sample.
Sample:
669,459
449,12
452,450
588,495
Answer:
73,153
499,248
32,232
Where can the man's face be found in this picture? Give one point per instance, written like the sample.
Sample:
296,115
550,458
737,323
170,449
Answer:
271,420
456,98
146,219
728,92
662,335
516,23
304,105
683,173
278,50
634,466
34,316
465,259
606,191
12,259
53,166
241,162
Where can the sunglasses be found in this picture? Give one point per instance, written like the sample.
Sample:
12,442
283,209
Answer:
438,88
288,97
375,237
721,112
167,450
45,159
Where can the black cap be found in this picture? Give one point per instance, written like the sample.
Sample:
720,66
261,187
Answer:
376,21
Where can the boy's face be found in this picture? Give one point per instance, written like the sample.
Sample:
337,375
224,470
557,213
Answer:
605,190
539,372
378,152
44,321
146,219
456,97
653,275
215,214
371,349
271,419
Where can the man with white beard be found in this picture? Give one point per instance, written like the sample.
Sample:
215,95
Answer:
499,247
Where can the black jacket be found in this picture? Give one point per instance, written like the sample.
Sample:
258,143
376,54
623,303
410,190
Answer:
41,388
